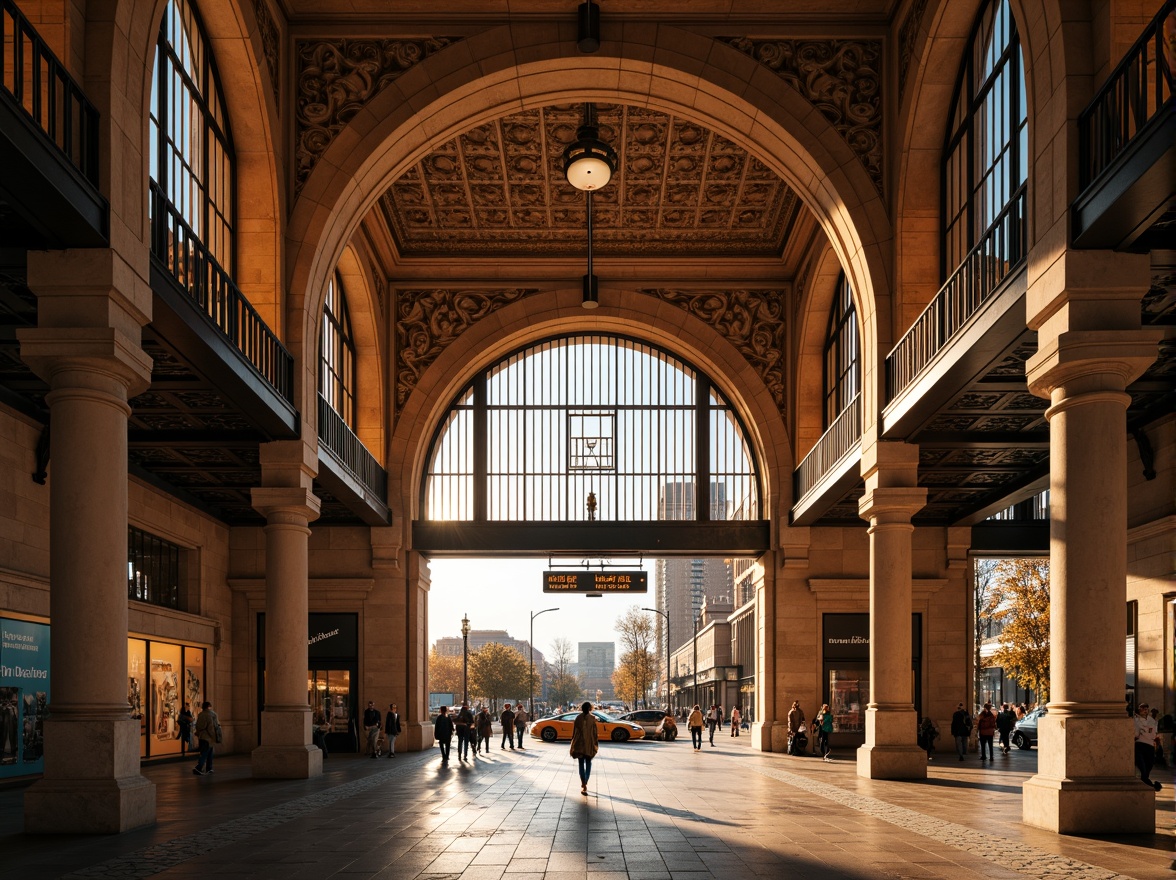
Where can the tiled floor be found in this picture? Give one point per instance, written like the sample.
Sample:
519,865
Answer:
655,810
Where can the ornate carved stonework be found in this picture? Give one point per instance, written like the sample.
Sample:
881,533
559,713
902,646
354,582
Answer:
270,39
427,321
841,78
335,78
751,320
679,188
908,33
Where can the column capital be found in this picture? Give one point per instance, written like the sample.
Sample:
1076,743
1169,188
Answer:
1086,289
894,504
289,464
1097,360
90,287
887,463
286,505
102,359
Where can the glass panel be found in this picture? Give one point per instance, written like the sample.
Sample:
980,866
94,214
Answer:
163,725
330,697
136,687
849,692
194,678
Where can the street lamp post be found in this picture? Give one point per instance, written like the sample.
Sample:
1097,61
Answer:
696,616
667,617
465,657
531,677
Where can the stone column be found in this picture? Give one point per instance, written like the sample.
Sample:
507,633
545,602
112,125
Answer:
91,306
765,729
289,506
891,499
418,731
1090,347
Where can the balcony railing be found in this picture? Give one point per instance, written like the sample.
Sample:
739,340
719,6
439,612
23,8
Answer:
839,439
994,258
1138,90
187,260
31,75
335,434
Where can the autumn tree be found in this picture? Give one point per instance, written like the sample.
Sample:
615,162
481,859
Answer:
498,672
1019,604
624,681
563,686
983,576
445,673
638,640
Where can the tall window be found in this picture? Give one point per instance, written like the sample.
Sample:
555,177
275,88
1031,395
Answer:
191,151
842,378
987,150
153,569
337,367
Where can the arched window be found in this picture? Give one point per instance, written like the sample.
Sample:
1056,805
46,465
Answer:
986,154
337,366
842,374
191,150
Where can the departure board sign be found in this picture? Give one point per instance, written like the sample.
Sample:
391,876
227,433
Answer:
595,582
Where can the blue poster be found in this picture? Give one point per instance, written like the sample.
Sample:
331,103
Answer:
24,696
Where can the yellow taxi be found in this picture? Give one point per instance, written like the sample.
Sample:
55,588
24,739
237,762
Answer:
555,727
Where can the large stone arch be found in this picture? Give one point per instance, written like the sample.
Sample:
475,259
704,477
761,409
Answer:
690,75
557,311
371,368
123,33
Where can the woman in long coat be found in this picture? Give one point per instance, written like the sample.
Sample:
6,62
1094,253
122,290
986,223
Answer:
585,743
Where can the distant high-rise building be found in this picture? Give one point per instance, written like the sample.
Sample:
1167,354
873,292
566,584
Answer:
595,665
451,646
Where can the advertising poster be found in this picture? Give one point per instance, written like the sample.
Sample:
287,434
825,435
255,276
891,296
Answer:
24,696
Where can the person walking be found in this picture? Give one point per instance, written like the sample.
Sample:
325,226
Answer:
443,733
712,722
795,726
507,720
719,715
371,729
986,729
392,728
694,722
208,731
961,729
520,723
1005,722
485,730
463,724
1145,744
185,720
928,733
824,727
586,743
736,720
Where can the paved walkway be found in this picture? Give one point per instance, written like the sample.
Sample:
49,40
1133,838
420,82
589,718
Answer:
655,811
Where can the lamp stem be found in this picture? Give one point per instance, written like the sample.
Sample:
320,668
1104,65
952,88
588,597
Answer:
589,233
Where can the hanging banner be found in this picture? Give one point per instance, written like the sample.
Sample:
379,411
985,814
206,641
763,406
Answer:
24,696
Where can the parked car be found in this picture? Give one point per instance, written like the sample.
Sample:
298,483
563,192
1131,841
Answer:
1025,730
649,719
555,727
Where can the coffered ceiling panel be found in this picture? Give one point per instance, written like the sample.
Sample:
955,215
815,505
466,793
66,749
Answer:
680,188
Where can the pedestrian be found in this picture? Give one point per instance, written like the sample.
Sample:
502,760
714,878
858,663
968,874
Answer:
208,731
928,733
185,720
443,733
392,728
961,729
986,729
736,720
371,729
462,723
824,725
712,722
695,724
1006,720
520,723
1145,744
719,716
586,743
318,732
485,729
795,727
507,721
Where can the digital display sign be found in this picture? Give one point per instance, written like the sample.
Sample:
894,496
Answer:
595,582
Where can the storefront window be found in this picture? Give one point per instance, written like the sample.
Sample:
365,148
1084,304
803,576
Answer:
137,686
24,696
164,736
194,678
161,677
330,695
849,692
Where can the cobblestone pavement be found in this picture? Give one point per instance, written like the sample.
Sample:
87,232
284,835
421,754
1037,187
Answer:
656,811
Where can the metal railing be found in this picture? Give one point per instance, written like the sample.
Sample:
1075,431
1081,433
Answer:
994,258
184,256
1138,90
839,439
337,436
33,77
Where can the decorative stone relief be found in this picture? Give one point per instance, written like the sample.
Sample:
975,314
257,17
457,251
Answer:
428,321
841,78
335,78
270,45
751,320
908,33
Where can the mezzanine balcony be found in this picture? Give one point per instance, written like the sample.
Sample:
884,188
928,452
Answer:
348,471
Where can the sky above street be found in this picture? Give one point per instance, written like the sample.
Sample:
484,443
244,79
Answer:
502,594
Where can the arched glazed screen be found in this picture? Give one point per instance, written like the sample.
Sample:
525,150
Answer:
842,374
191,152
337,353
590,427
986,156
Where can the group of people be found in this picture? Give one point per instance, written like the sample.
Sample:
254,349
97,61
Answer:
820,727
474,728
373,723
713,721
